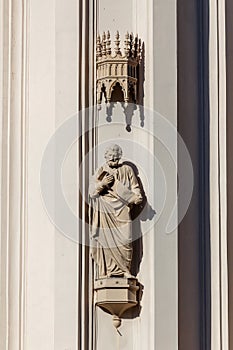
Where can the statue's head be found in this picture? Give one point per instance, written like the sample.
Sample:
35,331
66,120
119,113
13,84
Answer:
112,155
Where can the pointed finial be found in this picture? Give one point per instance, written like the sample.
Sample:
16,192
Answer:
136,46
139,50
117,42
104,44
132,45
108,44
98,47
127,44
116,321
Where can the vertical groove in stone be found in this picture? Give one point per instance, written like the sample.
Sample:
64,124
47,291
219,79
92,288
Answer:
229,110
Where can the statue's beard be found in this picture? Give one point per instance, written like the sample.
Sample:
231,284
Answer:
113,164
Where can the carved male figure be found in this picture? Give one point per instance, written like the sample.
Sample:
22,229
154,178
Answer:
113,189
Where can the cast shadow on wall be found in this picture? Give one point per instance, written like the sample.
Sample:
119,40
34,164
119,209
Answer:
136,100
139,213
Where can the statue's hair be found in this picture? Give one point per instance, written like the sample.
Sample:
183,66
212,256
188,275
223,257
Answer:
114,148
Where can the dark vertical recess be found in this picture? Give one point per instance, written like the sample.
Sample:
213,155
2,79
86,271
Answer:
79,345
193,126
204,173
219,180
86,136
92,25
229,81
85,98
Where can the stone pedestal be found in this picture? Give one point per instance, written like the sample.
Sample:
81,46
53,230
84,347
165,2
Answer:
116,296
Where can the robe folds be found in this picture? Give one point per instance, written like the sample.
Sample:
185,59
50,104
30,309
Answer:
110,221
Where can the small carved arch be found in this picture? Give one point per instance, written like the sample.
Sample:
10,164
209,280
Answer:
118,93
112,87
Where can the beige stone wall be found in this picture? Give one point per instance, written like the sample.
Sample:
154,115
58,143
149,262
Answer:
157,325
48,270
49,75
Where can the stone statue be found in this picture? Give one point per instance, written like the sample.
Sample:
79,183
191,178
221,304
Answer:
112,191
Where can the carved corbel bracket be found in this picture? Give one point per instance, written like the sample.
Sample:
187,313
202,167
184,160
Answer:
117,295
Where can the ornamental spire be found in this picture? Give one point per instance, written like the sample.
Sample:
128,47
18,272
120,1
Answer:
98,47
117,42
127,45
104,44
108,44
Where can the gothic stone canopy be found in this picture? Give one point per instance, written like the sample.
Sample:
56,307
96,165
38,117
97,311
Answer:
117,67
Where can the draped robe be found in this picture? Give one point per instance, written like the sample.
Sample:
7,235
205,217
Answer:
110,221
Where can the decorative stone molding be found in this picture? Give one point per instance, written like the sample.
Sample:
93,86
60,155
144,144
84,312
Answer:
118,70
14,176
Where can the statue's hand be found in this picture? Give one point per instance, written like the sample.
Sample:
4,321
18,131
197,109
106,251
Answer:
136,199
107,180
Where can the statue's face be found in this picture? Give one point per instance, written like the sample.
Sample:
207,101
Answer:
112,159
